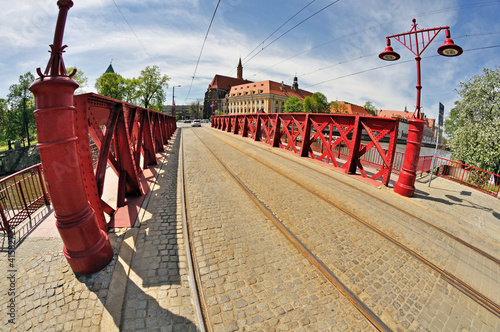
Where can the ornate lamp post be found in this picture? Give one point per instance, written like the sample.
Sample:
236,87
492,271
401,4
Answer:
86,246
173,101
416,41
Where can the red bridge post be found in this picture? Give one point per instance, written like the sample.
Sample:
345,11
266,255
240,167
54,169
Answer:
405,185
86,246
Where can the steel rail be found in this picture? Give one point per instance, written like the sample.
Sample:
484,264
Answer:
348,294
193,267
468,245
459,284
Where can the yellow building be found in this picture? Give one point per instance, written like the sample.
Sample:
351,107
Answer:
262,97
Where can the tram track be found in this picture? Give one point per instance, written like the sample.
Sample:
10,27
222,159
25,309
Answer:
199,301
315,261
479,251
459,284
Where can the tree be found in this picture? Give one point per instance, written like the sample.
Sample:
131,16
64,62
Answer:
370,108
3,119
111,85
337,108
152,87
79,78
294,105
194,109
474,124
22,104
317,103
130,92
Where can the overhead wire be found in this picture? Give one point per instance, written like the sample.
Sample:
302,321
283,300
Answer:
131,29
393,64
282,25
202,47
292,28
354,33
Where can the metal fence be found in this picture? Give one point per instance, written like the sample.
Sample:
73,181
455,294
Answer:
374,159
470,176
21,194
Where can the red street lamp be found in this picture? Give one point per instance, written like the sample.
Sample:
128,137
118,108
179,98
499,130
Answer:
416,41
86,245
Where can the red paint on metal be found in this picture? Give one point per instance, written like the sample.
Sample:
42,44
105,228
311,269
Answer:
124,134
302,133
405,185
86,246
21,194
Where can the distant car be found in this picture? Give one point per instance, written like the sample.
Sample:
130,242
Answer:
196,123
205,121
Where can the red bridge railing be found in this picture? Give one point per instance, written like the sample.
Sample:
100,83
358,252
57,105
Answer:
21,194
470,176
125,137
324,137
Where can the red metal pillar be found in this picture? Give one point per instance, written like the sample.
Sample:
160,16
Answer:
86,246
405,185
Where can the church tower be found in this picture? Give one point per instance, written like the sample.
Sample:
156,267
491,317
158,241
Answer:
240,71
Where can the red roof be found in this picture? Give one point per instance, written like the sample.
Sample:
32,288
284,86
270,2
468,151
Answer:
268,87
225,82
395,114
350,109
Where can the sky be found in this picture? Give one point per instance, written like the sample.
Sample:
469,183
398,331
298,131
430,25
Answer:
331,46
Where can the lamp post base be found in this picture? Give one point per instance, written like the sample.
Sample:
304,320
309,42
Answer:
405,186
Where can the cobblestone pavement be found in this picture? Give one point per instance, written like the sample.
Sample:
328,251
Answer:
48,295
158,296
399,288
253,278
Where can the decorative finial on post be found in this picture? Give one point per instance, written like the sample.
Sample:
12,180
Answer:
56,64
86,246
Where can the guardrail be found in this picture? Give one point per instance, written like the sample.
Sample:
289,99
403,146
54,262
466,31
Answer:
301,133
374,160
470,176
21,194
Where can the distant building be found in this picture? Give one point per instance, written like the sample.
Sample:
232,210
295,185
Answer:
430,131
342,107
110,69
215,97
262,97
181,111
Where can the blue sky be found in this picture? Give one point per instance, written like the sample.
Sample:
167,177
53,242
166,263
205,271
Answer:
334,52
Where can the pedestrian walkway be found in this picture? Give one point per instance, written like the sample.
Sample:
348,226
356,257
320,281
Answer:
252,277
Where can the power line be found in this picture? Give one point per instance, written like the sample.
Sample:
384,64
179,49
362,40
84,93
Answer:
131,29
201,51
286,32
417,15
293,16
392,64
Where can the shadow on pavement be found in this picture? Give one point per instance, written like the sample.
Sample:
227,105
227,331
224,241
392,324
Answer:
154,263
22,231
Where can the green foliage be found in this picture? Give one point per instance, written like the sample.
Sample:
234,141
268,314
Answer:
195,110
317,103
79,78
3,119
20,118
337,107
474,124
111,85
148,90
370,108
294,105
152,87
